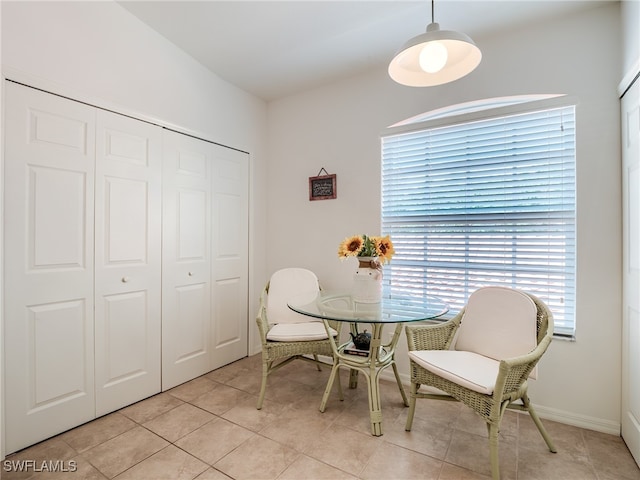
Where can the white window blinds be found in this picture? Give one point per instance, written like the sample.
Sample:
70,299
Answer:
484,202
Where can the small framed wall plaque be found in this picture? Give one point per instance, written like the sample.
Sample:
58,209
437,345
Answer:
322,187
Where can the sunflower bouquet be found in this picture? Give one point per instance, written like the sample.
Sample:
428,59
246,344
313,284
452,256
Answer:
365,246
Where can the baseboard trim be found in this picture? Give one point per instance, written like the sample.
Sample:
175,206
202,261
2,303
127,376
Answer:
553,414
578,420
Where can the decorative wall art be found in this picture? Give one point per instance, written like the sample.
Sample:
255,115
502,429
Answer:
323,187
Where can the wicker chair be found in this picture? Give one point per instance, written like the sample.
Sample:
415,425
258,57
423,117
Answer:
483,358
285,334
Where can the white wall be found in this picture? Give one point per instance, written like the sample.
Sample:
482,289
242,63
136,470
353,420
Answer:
630,15
100,53
338,127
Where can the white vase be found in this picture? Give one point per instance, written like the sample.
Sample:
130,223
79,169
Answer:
367,281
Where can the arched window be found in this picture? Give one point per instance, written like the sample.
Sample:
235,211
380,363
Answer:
484,194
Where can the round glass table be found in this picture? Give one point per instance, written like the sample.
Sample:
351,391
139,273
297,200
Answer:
342,308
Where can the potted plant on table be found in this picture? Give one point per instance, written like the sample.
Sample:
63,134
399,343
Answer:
371,252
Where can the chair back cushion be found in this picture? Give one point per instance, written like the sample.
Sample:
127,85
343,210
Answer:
286,284
498,323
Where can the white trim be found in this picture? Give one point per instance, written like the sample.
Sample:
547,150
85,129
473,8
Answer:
632,75
473,106
549,102
553,414
577,420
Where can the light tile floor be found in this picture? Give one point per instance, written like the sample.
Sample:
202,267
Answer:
209,429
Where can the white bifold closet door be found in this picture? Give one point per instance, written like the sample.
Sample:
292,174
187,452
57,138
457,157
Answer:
82,311
205,250
229,255
128,261
186,259
630,110
48,278
93,318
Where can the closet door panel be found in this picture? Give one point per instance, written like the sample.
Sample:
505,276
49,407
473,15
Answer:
630,126
48,276
56,374
58,236
126,218
125,327
192,227
128,260
230,256
191,340
186,257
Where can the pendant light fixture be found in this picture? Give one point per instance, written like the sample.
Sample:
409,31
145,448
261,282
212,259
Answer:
435,57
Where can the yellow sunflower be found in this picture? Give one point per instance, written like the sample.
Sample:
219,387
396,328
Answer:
351,246
384,248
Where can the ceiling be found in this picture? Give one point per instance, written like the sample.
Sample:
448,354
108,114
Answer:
277,48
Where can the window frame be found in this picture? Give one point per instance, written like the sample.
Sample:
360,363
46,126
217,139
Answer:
487,110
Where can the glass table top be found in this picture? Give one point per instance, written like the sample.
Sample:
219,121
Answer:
341,307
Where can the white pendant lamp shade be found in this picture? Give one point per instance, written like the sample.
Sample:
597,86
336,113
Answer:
435,57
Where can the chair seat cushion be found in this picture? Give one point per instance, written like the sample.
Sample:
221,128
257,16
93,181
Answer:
298,332
470,370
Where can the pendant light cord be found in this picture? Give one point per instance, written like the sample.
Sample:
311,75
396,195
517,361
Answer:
432,10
